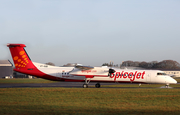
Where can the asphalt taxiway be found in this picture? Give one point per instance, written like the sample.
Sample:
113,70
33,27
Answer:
55,84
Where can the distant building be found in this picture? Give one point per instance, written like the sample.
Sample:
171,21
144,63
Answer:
173,73
21,75
6,69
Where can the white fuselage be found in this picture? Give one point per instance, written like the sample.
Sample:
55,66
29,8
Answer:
100,74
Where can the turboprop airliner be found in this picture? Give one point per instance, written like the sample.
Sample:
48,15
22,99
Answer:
86,74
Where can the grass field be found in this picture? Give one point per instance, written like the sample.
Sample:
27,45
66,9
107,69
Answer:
25,80
28,101
45,101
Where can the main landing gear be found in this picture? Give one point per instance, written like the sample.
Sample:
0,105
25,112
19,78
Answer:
97,85
85,85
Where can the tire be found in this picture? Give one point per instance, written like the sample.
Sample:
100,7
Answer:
98,85
85,85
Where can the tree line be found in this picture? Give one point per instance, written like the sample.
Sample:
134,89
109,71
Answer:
165,64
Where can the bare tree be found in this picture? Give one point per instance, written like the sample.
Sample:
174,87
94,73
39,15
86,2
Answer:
168,64
143,64
50,63
128,63
105,64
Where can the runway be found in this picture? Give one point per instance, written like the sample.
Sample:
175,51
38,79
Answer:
63,85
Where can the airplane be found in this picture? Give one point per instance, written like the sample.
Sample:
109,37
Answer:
86,74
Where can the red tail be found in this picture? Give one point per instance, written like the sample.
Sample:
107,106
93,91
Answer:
20,57
23,63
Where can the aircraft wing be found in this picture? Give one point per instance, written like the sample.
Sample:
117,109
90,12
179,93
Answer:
84,67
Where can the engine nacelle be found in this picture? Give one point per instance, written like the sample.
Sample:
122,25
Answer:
111,71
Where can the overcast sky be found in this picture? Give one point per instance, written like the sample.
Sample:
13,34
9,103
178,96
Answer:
92,32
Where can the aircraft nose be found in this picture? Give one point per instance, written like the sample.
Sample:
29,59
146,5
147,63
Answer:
173,81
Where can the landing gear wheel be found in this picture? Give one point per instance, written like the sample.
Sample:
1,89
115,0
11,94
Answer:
167,86
98,85
85,85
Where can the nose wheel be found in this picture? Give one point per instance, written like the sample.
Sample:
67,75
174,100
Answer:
167,85
85,85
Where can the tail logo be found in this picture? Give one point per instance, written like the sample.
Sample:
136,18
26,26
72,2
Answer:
21,60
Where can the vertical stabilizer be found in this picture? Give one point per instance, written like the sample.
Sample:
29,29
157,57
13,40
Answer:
20,57
23,63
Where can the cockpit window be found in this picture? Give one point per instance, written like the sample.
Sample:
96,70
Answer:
161,74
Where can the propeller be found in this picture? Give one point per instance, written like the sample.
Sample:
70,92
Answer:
111,71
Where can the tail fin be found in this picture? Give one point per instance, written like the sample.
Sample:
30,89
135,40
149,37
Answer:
20,57
23,63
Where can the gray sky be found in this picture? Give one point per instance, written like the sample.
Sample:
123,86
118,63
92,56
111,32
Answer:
92,32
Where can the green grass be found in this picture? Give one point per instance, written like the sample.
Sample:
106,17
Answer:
42,101
142,86
25,80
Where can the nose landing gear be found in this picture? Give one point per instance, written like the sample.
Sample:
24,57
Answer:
167,85
85,85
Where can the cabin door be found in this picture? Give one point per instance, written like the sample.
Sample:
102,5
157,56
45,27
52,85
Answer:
58,76
148,77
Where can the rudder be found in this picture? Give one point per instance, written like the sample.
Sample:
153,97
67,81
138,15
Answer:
20,57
